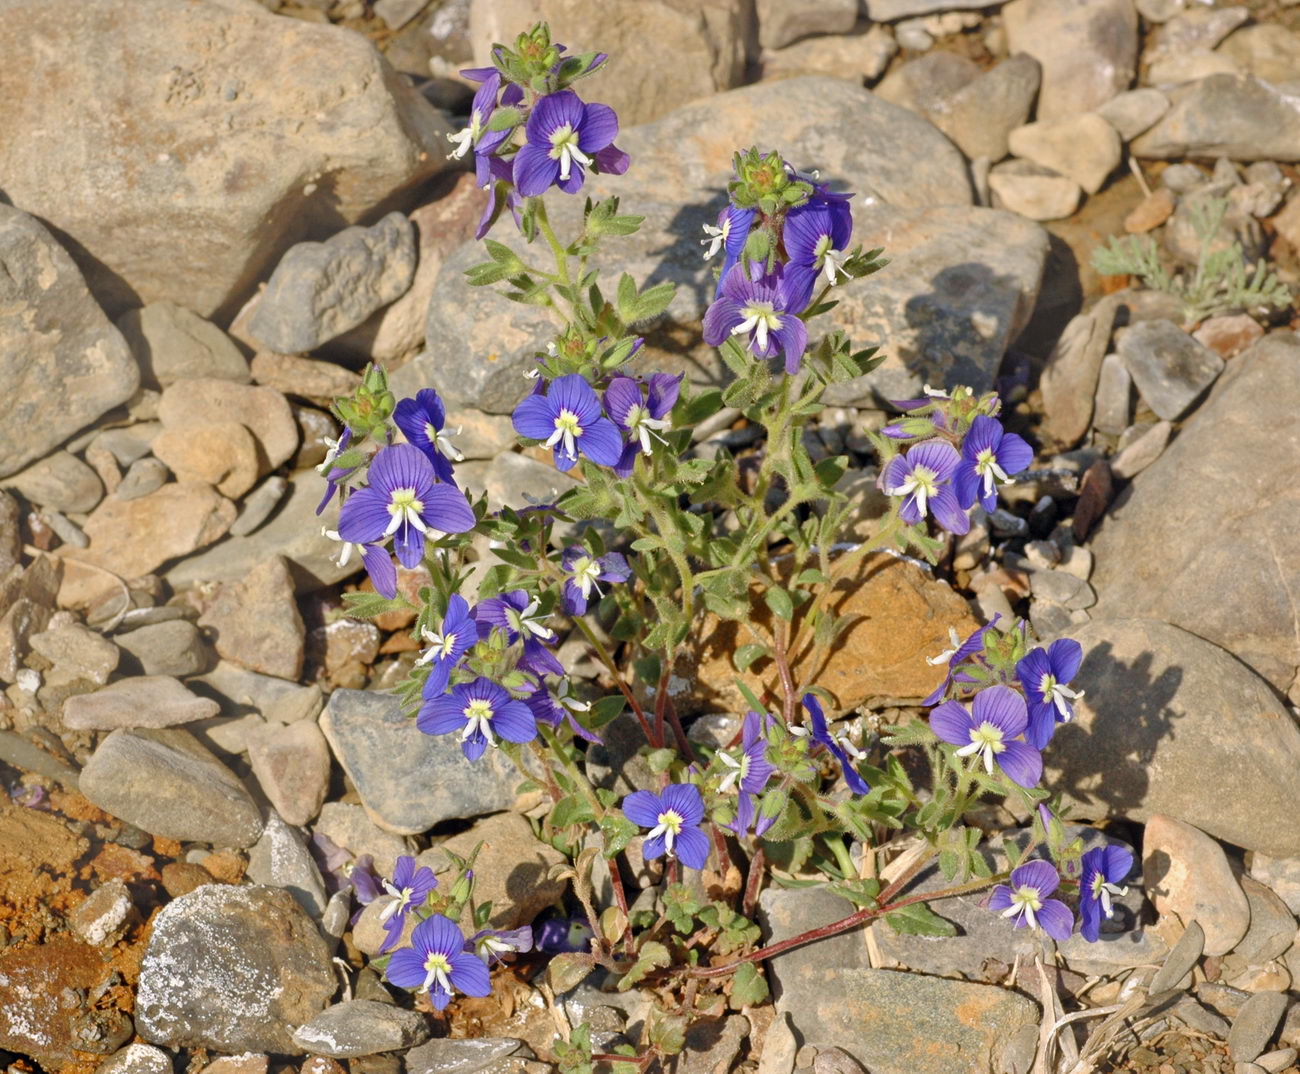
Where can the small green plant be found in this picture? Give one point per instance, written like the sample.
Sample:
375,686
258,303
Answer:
1224,279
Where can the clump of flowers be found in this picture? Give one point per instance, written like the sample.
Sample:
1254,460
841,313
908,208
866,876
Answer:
654,536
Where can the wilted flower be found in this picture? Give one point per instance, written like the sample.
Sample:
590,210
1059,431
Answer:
491,945
821,734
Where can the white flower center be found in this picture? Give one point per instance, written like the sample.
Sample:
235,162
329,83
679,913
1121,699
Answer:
1102,890
404,508
586,573
669,826
738,769
1059,695
345,550
642,426
442,443
986,465
717,237
831,260
759,318
441,645
479,714
487,946
922,482
331,453
401,901
567,430
986,740
437,970
528,622
1027,900
564,148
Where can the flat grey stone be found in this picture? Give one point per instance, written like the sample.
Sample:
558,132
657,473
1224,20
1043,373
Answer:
174,647
1142,451
1188,708
1236,116
60,481
1272,925
53,336
1133,112
479,1055
171,343
1254,1027
280,859
1113,404
1069,379
402,773
347,826
321,289
1170,368
1233,586
784,913
164,782
361,1027
234,969
142,701
141,478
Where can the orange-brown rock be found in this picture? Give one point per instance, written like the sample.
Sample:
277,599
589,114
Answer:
898,616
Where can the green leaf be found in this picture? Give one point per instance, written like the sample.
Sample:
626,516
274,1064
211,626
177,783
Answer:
618,832
603,711
745,655
918,919
748,987
369,605
505,118
660,759
568,970
653,955
779,601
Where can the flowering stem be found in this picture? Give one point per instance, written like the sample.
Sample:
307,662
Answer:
753,882
783,668
575,773
605,658
843,925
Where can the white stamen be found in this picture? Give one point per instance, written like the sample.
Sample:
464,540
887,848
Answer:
528,622
442,443
737,771
479,714
760,317
564,148
947,655
567,430
985,740
345,551
669,826
921,483
642,426
1025,900
717,237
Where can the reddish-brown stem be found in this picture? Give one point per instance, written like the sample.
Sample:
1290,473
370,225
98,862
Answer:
861,917
620,897
638,1061
783,669
661,705
753,882
720,845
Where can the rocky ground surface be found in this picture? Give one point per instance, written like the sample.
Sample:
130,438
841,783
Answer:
215,213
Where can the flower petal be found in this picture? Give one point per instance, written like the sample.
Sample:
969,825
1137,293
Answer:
720,318
1055,919
1014,454
1037,874
793,338
470,974
1065,655
621,396
446,509
936,455
534,170
952,723
598,129
1000,899
601,442
401,466
406,969
408,543
1022,763
1118,863
438,934
514,722
692,848
571,392
947,511
442,715
685,800
643,808
379,566
364,517
1003,708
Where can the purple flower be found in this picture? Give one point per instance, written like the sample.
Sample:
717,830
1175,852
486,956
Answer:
1026,900
988,454
549,709
405,500
821,734
924,476
557,935
517,614
817,235
491,945
1044,674
673,818
729,236
956,656
446,646
1104,868
568,419
409,887
327,469
476,135
642,420
437,962
765,311
749,775
997,716
584,571
481,711
496,174
562,136
421,420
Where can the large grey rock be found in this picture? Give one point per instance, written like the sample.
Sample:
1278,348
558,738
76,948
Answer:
410,781
1164,551
1088,49
172,344
478,343
477,1055
662,53
361,1027
918,1024
321,289
171,648
1161,708
1169,367
1235,116
785,913
292,766
62,362
61,481
198,141
166,783
781,22
280,859
234,969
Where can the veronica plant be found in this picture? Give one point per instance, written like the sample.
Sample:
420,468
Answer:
659,536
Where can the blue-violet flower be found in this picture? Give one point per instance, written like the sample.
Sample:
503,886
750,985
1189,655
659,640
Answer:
988,455
563,136
996,717
924,476
1104,869
1026,900
584,571
673,818
447,645
481,711
839,748
568,419
1044,674
409,887
437,962
421,420
765,311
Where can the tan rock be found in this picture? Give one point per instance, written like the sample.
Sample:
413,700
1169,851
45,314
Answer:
1151,211
1229,335
1084,147
141,701
134,537
219,453
290,374
265,411
257,623
292,764
898,617
1188,878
